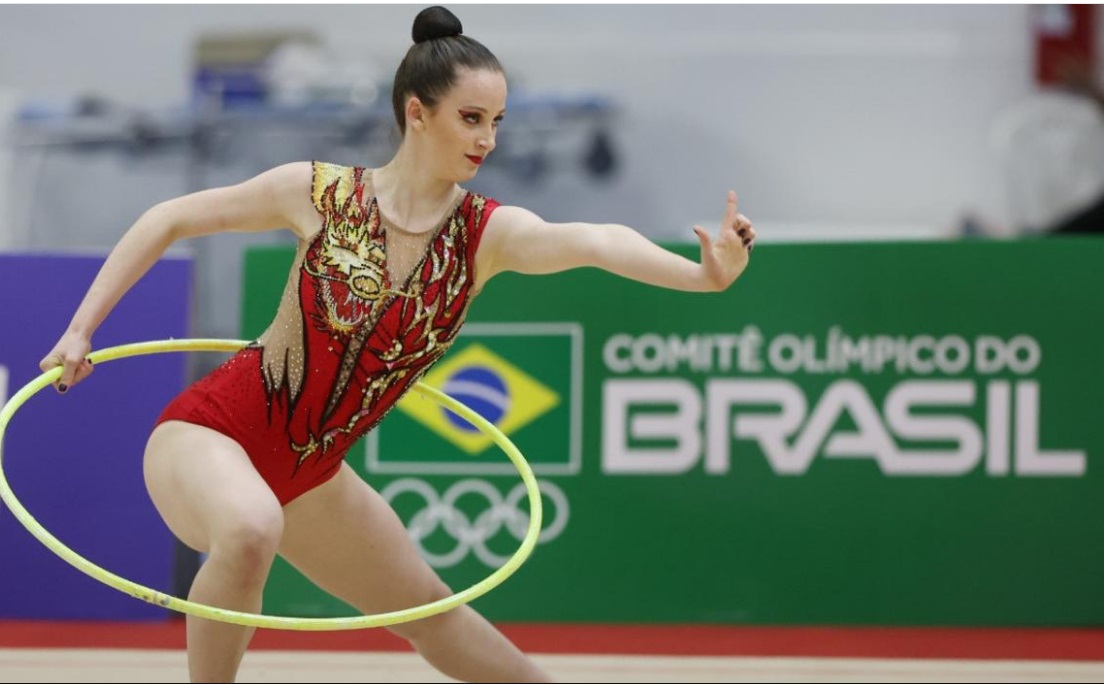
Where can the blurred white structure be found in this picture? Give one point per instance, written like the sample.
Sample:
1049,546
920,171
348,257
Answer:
1051,151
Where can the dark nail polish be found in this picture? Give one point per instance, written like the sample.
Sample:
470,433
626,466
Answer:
63,388
742,232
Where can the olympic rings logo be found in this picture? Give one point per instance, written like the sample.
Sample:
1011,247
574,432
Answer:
471,535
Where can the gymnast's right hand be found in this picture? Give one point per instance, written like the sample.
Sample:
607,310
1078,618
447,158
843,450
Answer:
71,353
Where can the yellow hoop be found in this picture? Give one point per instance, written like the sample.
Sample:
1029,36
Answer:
254,619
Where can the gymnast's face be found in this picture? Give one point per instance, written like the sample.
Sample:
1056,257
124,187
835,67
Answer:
460,130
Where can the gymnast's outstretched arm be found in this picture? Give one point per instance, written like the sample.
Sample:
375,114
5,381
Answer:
518,240
278,198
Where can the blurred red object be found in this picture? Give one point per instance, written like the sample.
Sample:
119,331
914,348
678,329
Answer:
1065,41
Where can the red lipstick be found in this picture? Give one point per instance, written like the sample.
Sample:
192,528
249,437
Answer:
475,160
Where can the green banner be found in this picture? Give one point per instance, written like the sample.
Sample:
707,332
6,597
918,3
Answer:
893,433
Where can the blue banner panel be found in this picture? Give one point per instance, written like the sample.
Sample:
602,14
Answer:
75,461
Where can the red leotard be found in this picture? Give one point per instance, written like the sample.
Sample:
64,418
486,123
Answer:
351,336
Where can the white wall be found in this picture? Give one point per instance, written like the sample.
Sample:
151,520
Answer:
862,115
9,104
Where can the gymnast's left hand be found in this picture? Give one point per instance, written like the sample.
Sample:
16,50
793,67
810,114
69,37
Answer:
71,353
724,259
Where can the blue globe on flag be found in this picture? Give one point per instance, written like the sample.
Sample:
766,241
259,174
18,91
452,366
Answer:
480,389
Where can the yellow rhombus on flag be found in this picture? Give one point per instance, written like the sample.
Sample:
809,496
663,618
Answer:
526,398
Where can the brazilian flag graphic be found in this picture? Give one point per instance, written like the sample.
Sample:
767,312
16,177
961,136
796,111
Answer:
523,380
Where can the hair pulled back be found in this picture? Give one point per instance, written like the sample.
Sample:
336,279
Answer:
440,50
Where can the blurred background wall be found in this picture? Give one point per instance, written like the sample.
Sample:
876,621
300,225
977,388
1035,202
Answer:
863,116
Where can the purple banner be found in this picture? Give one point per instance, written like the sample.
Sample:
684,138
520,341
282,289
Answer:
75,461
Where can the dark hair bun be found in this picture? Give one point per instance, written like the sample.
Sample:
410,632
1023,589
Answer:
436,22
